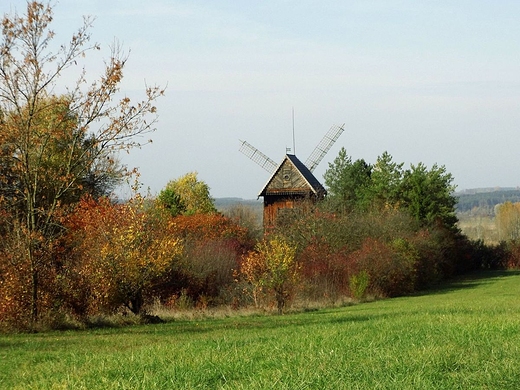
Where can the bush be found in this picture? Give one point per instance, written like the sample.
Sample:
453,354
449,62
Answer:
273,267
209,265
513,255
120,251
428,268
358,284
213,245
324,270
391,273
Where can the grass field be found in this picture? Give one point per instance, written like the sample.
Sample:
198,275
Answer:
465,336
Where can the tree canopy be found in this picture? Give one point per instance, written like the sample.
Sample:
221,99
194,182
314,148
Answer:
347,180
187,196
427,194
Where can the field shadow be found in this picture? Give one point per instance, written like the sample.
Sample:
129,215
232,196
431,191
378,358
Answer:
468,281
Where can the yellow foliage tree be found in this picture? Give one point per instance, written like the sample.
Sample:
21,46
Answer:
121,250
507,219
272,266
188,196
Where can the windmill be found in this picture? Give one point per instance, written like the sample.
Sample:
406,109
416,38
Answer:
291,180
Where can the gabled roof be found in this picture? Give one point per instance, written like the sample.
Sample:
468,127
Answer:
304,182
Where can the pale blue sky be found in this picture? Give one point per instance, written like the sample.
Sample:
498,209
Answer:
427,81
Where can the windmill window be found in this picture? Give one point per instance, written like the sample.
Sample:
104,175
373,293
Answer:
286,175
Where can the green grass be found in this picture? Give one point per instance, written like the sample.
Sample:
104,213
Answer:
465,336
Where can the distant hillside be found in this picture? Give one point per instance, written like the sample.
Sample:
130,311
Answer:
223,204
485,199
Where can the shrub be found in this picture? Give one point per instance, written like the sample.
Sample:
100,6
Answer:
391,273
358,284
213,245
513,255
325,271
119,250
17,293
428,268
208,265
272,266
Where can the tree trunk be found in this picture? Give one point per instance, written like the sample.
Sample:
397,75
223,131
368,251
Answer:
34,295
280,299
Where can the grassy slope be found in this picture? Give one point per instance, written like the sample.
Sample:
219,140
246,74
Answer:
465,336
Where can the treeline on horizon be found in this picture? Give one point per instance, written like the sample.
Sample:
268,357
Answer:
486,200
467,200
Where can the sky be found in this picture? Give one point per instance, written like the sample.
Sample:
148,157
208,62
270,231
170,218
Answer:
436,82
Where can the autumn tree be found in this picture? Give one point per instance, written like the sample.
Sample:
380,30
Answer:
507,220
120,251
272,267
187,195
51,145
59,153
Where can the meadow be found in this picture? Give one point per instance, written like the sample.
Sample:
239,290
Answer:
465,335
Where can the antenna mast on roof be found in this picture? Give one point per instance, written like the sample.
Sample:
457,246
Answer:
293,139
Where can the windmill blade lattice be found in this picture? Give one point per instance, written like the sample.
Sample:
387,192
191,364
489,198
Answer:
258,157
324,146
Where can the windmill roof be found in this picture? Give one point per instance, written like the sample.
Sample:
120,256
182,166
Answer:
313,184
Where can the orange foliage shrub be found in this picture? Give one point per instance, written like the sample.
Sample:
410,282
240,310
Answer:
118,251
513,259
209,227
16,293
213,245
15,289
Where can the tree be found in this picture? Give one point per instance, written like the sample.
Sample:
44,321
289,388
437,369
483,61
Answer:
120,251
52,146
171,201
428,195
272,266
507,217
385,182
187,195
347,181
58,152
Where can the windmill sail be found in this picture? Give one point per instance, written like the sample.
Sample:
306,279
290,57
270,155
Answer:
258,157
323,147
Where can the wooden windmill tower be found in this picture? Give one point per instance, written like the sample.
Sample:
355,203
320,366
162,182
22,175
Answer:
291,180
